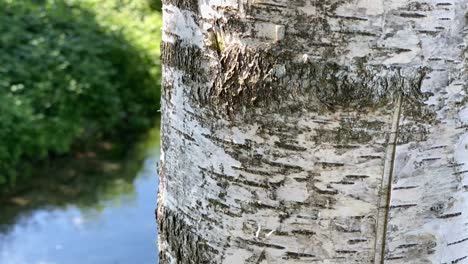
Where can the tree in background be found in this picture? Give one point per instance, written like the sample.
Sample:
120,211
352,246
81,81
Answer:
73,72
326,131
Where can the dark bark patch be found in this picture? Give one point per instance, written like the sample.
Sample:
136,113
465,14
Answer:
189,5
250,77
183,244
187,58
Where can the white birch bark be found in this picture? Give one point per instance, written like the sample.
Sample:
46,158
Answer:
314,131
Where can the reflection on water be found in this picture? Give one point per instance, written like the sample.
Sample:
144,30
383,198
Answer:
102,223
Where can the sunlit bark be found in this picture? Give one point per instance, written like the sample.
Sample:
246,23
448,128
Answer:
314,131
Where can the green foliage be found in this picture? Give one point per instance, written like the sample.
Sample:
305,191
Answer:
72,72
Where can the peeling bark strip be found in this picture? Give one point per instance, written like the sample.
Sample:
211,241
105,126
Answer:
330,131
386,187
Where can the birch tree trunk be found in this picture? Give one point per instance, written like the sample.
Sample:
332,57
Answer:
314,131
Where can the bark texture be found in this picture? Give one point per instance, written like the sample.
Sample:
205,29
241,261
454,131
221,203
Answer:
314,131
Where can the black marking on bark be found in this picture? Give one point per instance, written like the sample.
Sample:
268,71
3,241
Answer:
303,232
429,32
287,167
314,216
458,242
331,164
252,171
272,5
356,241
445,216
458,260
226,143
430,159
370,157
350,18
347,230
443,4
454,165
260,244
340,146
438,147
260,205
322,122
237,180
184,135
289,146
301,179
392,49
394,258
356,32
217,204
404,188
281,233
407,245
296,255
327,192
358,177
346,251
402,206
412,15
460,172
343,183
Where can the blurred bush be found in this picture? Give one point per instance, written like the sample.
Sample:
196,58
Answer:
73,72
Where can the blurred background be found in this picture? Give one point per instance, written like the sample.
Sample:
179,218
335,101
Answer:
79,131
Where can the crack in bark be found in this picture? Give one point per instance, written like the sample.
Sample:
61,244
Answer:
386,187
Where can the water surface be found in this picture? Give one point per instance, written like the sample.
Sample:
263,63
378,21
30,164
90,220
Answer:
104,217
